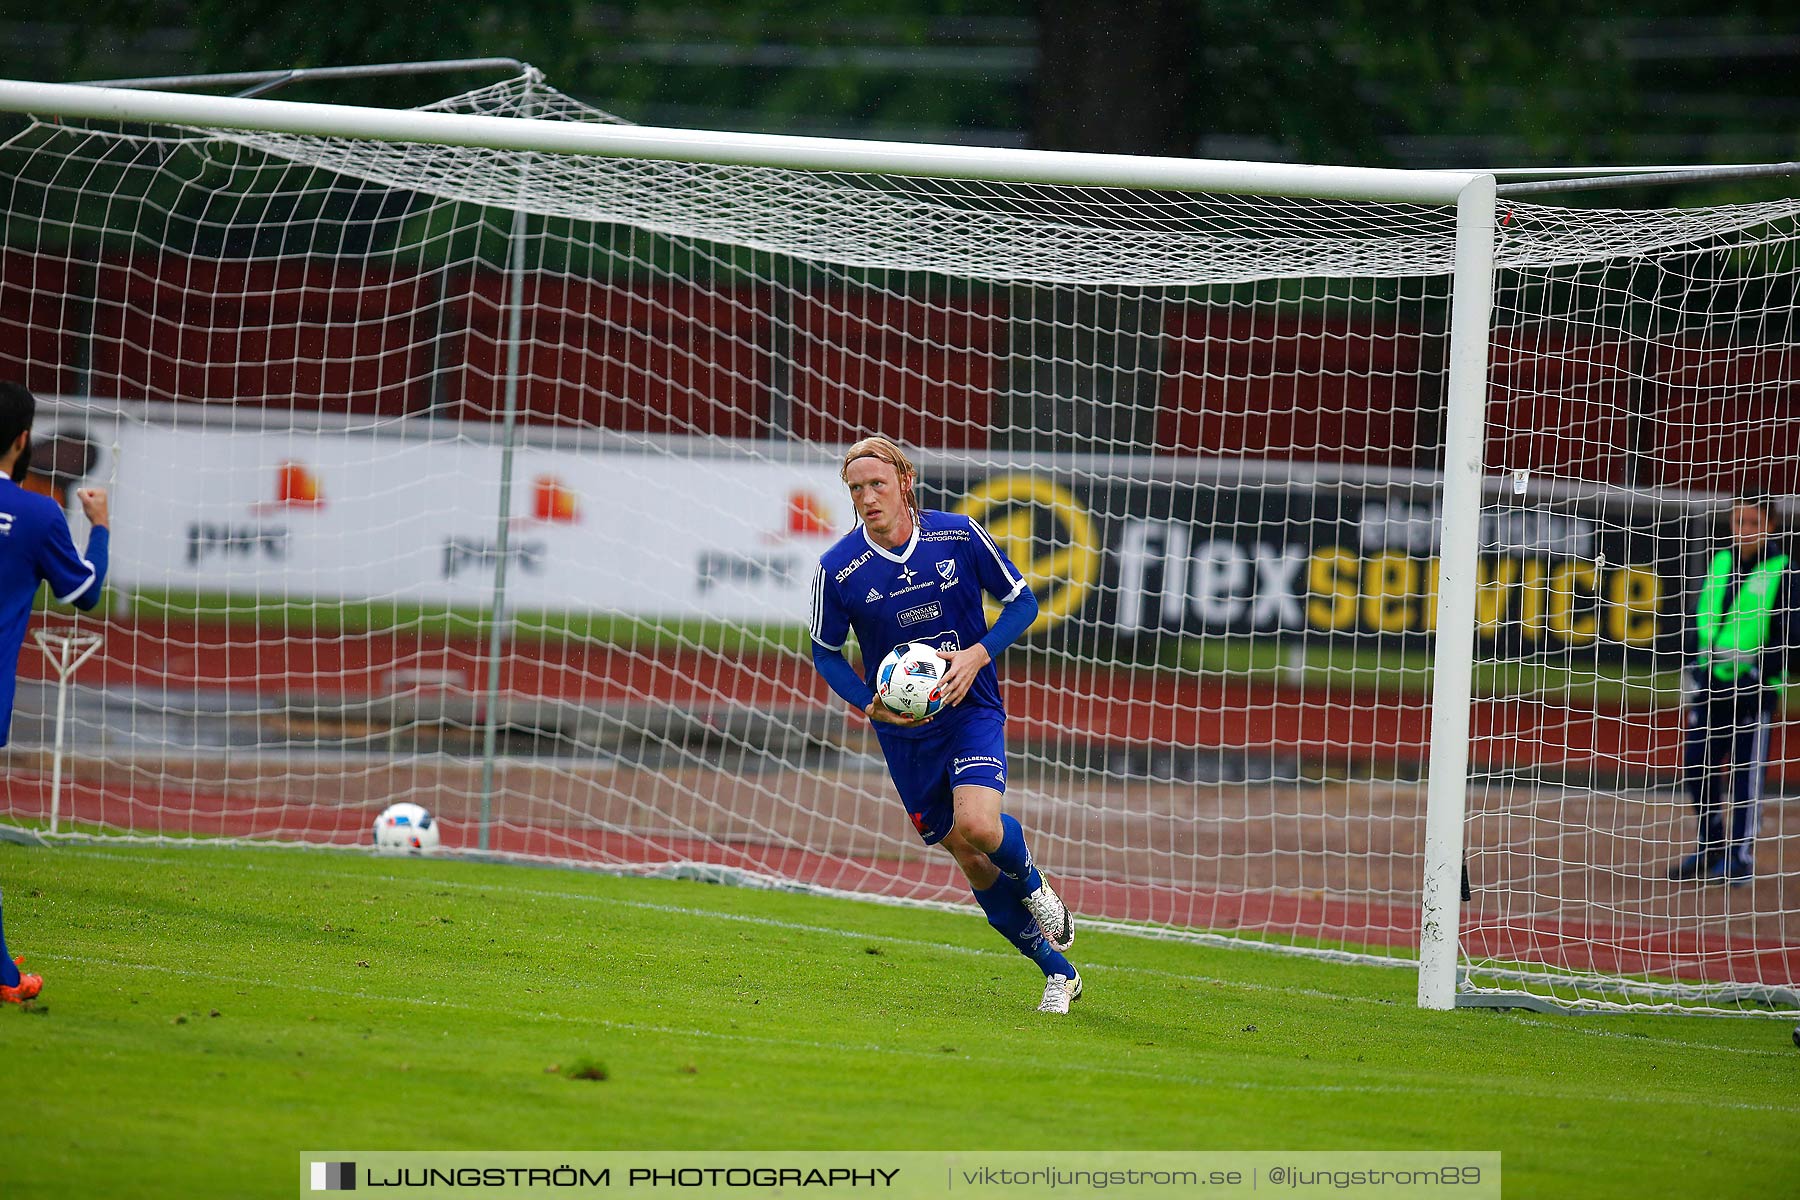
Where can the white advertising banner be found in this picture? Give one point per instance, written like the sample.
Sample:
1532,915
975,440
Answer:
323,514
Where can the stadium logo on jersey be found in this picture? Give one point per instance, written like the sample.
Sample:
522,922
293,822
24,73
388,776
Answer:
856,562
947,568
872,597
924,612
6,520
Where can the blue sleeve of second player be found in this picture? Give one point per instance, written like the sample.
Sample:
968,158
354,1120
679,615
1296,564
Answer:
73,578
841,675
99,543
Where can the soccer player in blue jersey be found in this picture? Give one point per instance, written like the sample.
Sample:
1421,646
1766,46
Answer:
34,546
904,575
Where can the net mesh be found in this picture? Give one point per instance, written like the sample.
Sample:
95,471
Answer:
1208,427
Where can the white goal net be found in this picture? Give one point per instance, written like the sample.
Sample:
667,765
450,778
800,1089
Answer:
494,481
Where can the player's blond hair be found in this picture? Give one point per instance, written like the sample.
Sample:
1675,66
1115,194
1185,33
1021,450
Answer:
885,450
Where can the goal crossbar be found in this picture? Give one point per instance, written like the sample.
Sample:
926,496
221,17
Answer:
734,149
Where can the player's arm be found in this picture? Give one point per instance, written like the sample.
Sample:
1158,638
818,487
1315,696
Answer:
1006,583
1693,675
830,662
77,578
830,630
844,680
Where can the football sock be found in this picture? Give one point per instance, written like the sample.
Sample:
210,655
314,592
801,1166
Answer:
1013,859
9,971
1743,827
1009,917
1712,833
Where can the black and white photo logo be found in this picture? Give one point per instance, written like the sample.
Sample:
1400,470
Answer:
334,1177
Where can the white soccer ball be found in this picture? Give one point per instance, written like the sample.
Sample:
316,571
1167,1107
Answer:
910,680
406,829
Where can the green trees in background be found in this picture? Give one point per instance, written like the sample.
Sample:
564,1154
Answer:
1403,82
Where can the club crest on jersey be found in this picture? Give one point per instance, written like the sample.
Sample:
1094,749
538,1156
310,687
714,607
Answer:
872,597
947,568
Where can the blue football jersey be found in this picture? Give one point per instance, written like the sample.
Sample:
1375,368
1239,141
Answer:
927,591
34,545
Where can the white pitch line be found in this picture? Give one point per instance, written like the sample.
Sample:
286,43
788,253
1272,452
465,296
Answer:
1648,1040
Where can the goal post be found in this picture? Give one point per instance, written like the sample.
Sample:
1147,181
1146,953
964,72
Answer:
508,435
1471,314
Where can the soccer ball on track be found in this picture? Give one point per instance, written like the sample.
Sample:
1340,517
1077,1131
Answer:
406,829
910,679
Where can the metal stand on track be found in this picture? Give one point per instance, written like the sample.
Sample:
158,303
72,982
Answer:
66,649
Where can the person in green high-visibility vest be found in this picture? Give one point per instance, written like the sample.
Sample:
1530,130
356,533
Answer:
1745,641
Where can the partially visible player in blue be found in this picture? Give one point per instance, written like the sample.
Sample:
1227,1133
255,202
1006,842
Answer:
909,576
35,547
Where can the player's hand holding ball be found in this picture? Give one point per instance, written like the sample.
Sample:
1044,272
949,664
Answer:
881,714
964,666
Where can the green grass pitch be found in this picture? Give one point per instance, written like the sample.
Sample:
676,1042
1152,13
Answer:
209,1012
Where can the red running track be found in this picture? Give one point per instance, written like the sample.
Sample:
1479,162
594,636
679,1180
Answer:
1088,705
1083,706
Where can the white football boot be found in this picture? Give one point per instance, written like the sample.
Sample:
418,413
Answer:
1052,916
1059,992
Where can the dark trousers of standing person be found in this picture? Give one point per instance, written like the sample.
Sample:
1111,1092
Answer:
1726,754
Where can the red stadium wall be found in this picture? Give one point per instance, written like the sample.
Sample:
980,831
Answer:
921,371
662,358
288,335
669,357
1293,386
42,315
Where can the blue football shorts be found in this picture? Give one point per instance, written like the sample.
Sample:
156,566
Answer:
954,749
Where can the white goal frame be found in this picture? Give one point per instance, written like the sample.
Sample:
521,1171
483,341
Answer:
1471,193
